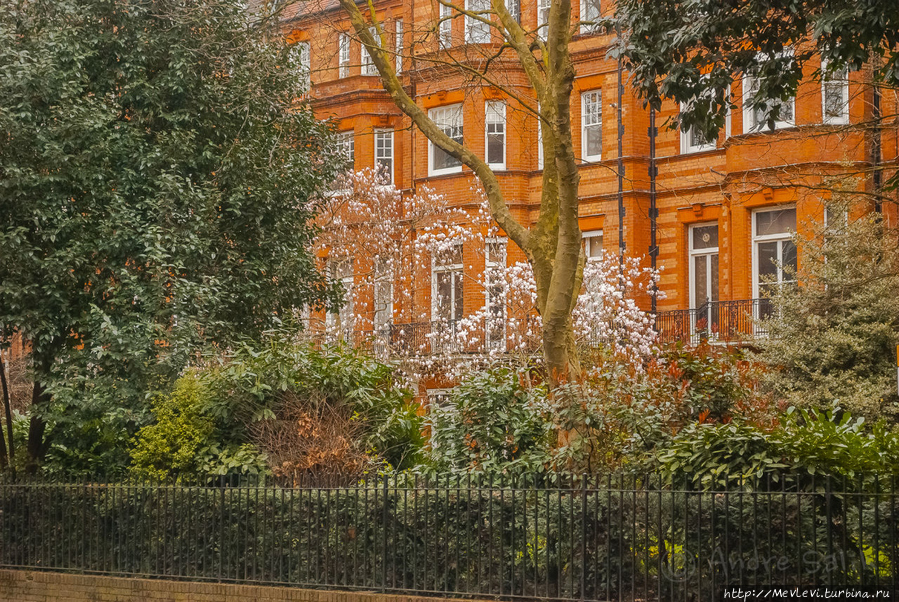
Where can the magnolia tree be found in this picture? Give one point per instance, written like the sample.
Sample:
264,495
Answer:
408,261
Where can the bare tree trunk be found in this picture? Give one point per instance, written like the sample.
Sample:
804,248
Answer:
5,459
37,444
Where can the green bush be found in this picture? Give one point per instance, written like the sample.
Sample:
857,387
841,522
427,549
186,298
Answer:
833,339
272,382
492,423
284,406
804,443
184,439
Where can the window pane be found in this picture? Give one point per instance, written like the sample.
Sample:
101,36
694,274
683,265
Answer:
477,32
543,7
591,127
700,280
834,90
705,237
788,259
384,154
514,8
344,59
368,66
496,253
446,26
444,290
347,145
593,246
495,123
782,221
594,141
697,139
590,11
495,148
457,295
767,255
449,119
399,45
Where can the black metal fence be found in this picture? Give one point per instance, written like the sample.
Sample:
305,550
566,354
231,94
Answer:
582,538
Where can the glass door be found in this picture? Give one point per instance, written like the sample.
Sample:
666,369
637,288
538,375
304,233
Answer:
774,254
704,277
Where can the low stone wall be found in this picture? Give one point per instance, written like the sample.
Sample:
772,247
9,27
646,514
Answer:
34,586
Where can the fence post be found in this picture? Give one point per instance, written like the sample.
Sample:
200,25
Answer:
384,531
583,536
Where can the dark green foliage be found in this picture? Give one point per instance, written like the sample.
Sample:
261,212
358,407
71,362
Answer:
183,439
691,52
804,443
156,186
493,423
281,406
281,376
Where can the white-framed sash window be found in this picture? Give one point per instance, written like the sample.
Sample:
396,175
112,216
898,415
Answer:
343,59
368,65
448,119
543,7
384,154
495,293
591,125
399,45
495,134
835,95
445,28
592,244
774,257
477,31
447,292
346,141
754,117
591,11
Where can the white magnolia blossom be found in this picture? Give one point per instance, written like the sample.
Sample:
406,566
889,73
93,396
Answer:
395,240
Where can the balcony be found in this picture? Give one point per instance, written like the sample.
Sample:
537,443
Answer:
441,337
715,322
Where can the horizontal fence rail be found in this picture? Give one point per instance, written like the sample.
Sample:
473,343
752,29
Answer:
579,538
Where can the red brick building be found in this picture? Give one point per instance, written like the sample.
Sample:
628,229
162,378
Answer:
715,216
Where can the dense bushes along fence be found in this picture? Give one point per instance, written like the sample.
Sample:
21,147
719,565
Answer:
579,538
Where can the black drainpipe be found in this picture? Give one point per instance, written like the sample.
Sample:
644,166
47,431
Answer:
653,210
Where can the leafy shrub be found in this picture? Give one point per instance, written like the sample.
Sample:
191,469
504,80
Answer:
492,422
833,339
805,442
255,392
623,413
184,439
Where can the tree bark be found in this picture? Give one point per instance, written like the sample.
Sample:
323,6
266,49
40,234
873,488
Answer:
6,459
37,428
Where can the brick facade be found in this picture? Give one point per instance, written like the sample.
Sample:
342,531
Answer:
742,172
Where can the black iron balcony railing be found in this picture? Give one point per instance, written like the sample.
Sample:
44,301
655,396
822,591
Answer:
430,338
715,321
